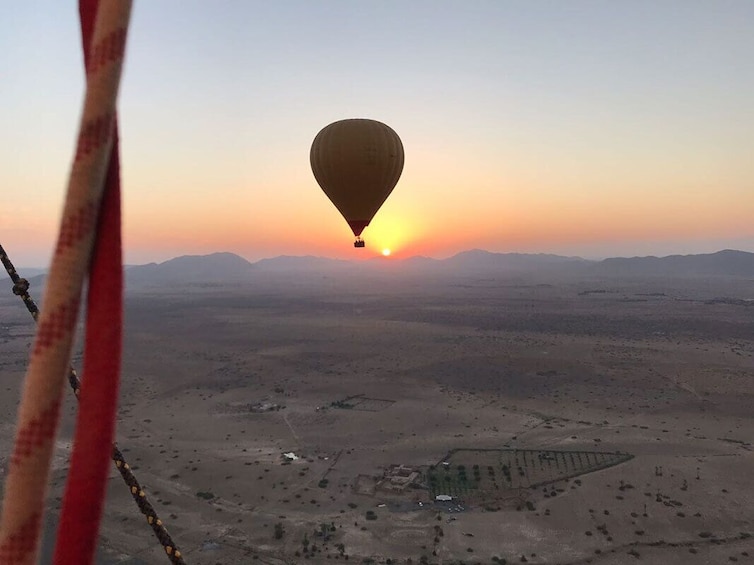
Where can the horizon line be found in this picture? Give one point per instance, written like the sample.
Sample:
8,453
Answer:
394,259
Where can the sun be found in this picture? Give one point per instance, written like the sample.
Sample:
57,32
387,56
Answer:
386,252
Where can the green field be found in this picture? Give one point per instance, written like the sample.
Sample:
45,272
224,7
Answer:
473,471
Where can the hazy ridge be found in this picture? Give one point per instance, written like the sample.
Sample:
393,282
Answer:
231,268
228,267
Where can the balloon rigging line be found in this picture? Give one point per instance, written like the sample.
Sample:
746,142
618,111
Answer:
21,289
87,212
85,488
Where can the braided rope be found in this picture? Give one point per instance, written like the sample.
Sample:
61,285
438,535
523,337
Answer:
134,487
84,498
20,286
39,410
102,53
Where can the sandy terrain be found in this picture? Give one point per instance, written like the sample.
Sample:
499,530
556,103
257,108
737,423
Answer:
219,382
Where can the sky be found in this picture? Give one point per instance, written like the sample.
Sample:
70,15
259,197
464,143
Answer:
587,128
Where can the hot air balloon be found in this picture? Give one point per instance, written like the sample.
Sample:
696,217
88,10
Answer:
357,163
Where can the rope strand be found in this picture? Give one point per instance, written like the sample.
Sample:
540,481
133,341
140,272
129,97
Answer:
39,409
134,487
103,33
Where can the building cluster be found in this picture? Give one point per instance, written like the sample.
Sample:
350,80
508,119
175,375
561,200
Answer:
397,478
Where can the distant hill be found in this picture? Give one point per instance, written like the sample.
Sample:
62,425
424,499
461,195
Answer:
727,262
187,269
477,260
25,272
219,268
419,262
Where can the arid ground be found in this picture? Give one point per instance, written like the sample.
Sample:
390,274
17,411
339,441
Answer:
355,375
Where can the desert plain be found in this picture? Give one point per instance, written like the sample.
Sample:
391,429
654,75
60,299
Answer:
622,409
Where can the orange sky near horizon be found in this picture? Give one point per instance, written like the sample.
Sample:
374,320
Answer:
511,210
448,199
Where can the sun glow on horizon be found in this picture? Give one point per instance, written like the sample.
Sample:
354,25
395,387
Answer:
394,233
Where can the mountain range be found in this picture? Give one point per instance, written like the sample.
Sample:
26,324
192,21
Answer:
231,268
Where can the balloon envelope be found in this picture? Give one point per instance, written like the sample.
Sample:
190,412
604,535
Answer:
357,163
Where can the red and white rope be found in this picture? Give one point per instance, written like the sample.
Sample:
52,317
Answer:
26,485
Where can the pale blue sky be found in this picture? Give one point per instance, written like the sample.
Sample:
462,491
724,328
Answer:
613,112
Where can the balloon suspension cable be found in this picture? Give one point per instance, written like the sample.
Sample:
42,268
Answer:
21,289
